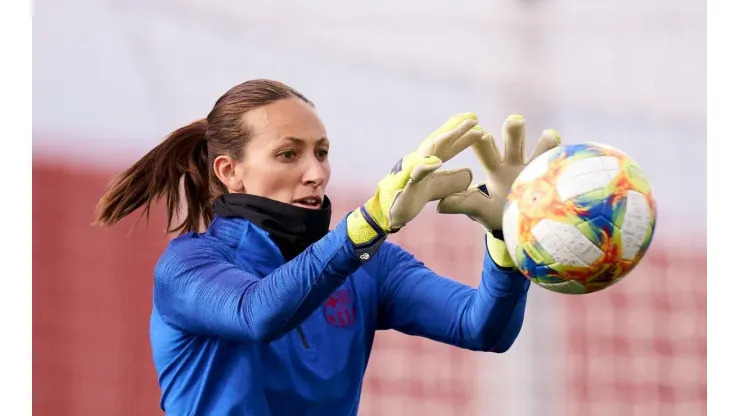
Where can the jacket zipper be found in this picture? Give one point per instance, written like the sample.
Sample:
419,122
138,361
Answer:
304,340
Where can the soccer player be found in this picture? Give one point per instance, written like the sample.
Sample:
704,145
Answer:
268,312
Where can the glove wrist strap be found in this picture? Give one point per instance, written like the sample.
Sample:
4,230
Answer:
497,250
365,234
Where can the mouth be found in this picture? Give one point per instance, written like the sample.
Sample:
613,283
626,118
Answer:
311,202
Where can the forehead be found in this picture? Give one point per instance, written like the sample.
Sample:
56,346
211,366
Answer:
290,117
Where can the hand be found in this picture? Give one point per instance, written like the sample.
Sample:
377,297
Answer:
413,182
484,203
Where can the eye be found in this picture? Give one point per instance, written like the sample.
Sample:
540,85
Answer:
322,154
287,155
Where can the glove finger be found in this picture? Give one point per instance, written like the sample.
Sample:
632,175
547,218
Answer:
513,132
444,138
447,182
472,136
487,152
424,168
470,202
550,139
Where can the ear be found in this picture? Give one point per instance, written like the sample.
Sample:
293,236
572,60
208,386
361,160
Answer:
226,171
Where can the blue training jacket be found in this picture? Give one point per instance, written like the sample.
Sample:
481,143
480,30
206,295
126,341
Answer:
235,330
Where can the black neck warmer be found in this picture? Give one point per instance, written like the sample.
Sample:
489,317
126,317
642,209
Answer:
292,228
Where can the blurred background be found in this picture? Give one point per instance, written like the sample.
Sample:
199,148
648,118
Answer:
111,78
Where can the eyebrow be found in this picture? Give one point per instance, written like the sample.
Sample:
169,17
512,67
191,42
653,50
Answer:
299,141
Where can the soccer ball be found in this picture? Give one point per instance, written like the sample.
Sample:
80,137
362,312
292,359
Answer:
578,218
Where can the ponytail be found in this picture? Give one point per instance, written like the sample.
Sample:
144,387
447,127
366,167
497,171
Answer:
182,156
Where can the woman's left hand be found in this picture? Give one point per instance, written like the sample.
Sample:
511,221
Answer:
485,202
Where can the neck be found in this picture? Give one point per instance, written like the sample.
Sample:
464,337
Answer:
292,228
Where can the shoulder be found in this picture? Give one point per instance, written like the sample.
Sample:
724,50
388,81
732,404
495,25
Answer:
188,252
221,239
198,244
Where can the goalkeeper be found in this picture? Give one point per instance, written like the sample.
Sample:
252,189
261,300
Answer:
268,312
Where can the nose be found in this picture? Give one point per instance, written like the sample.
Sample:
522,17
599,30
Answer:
315,174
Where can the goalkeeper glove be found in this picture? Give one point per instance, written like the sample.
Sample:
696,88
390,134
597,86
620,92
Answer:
484,203
413,182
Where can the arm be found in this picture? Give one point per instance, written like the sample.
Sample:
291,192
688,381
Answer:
417,301
198,289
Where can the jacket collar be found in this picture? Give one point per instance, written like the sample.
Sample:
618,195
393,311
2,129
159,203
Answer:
252,245
292,229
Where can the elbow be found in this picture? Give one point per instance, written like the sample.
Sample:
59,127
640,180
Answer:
496,343
267,328
500,341
266,336
263,331
501,347
261,335
257,334
254,333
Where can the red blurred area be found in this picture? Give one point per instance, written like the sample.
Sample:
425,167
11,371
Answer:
91,301
640,348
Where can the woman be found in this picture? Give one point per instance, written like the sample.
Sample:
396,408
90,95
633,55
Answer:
268,312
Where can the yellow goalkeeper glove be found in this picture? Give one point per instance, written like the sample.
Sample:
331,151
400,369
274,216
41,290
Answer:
484,203
413,182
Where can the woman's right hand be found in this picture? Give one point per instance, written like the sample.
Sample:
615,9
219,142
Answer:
414,181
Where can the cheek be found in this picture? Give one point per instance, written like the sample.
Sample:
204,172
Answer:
272,180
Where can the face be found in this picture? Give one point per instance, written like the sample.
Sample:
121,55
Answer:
286,158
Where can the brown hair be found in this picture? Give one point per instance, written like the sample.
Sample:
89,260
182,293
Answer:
186,156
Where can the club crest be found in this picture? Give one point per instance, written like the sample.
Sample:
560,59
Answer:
339,309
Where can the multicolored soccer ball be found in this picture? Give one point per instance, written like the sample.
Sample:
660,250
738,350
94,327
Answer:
579,218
